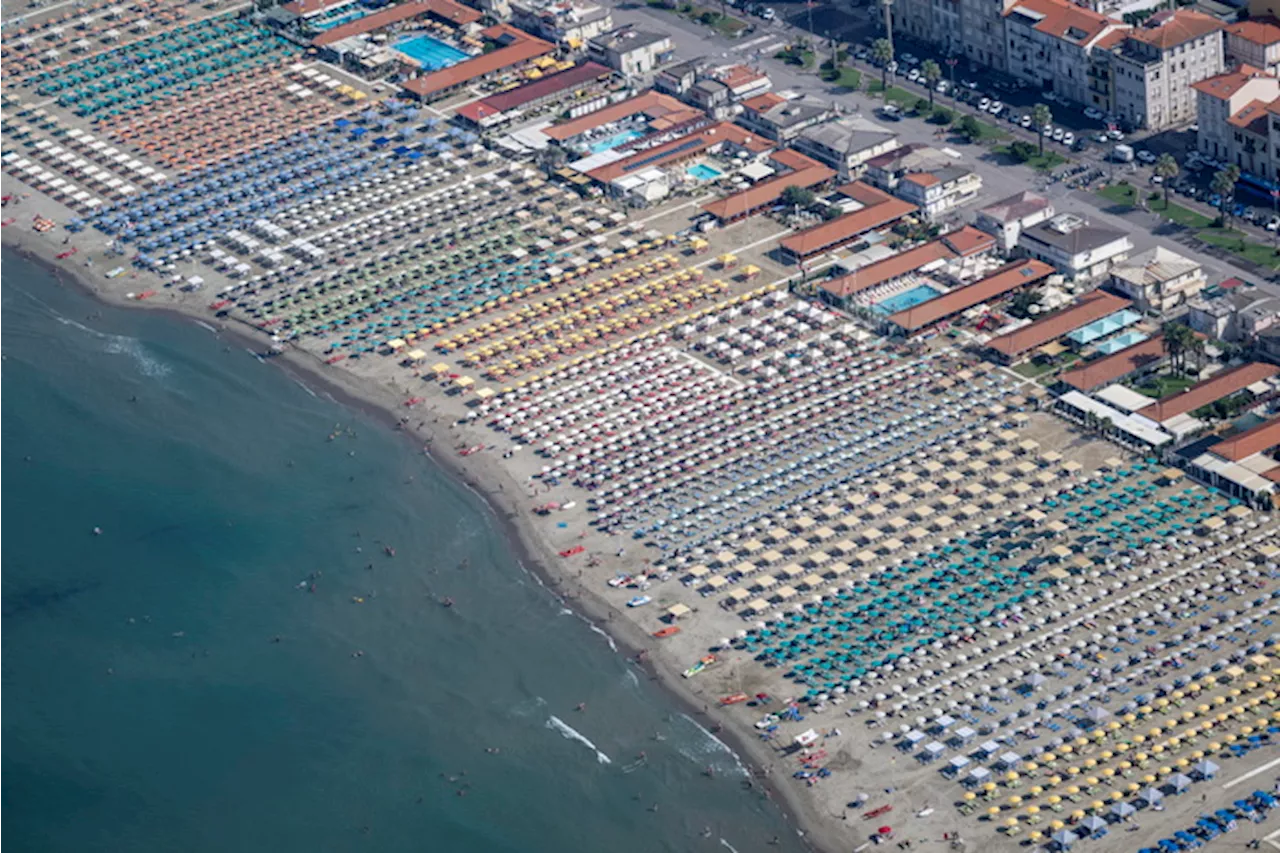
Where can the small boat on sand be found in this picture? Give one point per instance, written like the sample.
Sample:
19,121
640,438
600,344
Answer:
639,601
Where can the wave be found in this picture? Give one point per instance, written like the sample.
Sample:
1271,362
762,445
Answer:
711,745
570,733
631,676
205,325
730,846
529,707
132,347
612,645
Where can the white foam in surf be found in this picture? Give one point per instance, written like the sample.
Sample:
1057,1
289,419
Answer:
716,745
730,846
606,636
631,677
205,325
132,347
559,725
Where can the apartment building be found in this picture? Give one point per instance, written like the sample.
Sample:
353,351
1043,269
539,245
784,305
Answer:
1048,44
562,21
1255,42
1235,120
1155,66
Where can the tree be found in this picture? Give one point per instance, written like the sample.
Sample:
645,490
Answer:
1225,186
969,128
1024,301
1022,151
1041,117
922,106
1178,341
882,52
794,196
1167,169
932,74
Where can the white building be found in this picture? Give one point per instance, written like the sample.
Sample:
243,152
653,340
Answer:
1255,42
643,188
846,144
631,51
1006,218
1158,279
1080,251
1048,44
938,191
1155,66
567,22
1233,116
1239,315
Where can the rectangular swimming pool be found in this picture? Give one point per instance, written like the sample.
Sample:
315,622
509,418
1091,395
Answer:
917,295
611,142
431,53
337,20
703,172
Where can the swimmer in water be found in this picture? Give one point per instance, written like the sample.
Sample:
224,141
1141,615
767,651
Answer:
492,750
582,706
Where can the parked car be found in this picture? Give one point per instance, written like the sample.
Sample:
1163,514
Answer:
1058,134
1146,156
942,87
913,75
1115,135
910,59
995,108
1025,121
1068,139
1273,223
1093,113
984,103
769,14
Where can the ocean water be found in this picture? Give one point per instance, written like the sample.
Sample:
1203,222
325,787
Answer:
175,683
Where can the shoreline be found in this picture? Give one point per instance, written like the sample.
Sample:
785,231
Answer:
485,481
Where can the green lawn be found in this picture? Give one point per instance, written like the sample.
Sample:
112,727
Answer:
1046,162
845,78
1032,369
726,25
1237,243
1162,385
1119,194
1127,195
894,95
989,132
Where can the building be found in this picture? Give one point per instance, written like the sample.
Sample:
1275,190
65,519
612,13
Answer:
968,242
1048,45
934,21
1256,43
678,79
1027,341
506,48
1176,413
647,115
874,210
1158,279
1232,113
846,144
723,138
938,191
631,51
1006,218
513,103
887,170
1142,357
1080,251
981,35
348,42
1154,66
779,119
794,170
1243,465
1238,315
948,306
566,22
743,81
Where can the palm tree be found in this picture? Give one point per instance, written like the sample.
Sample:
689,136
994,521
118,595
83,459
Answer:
1178,341
932,74
1225,186
1167,169
1042,117
882,52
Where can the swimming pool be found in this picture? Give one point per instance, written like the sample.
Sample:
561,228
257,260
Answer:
1122,341
906,299
703,172
431,53
338,20
611,142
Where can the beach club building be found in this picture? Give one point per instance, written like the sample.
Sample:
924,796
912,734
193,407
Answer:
505,107
1176,413
928,314
1040,336
1142,357
1244,465
874,210
793,170
506,49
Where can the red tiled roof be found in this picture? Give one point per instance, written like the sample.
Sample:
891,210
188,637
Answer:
1092,306
522,48
1115,366
738,76
1166,30
652,104
1008,278
1260,439
1260,31
1229,82
535,91
844,229
805,173
1203,393
446,9
1251,113
1064,20
310,7
680,148
764,103
967,241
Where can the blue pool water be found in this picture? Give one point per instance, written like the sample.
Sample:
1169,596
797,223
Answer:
431,53
1122,341
906,299
612,142
703,172
338,20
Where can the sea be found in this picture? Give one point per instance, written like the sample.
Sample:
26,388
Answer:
208,648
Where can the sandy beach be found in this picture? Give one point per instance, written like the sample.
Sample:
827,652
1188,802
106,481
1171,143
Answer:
924,604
